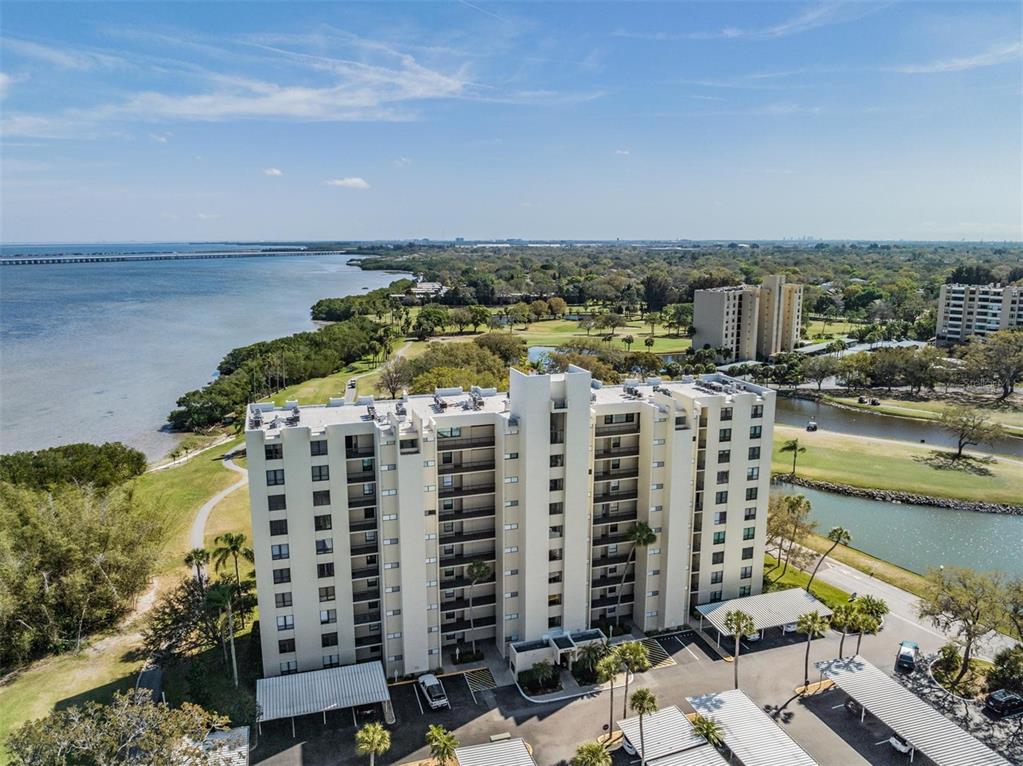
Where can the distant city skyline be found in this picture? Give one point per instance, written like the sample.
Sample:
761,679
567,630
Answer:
702,121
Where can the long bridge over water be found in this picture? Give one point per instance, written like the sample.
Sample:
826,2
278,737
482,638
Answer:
129,257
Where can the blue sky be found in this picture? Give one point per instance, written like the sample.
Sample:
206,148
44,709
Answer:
155,121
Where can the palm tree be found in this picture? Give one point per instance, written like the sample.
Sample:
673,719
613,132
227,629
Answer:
649,342
372,740
543,673
865,623
589,655
643,702
220,598
739,624
709,729
607,669
875,607
231,545
442,744
628,340
813,624
792,445
641,535
837,536
844,617
636,659
477,572
198,558
591,754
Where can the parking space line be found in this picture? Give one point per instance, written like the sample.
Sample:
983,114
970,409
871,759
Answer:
415,691
469,687
691,652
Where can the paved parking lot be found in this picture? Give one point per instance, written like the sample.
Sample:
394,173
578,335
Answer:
769,671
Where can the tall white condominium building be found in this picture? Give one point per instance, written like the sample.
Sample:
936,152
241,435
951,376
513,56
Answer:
367,515
751,322
965,310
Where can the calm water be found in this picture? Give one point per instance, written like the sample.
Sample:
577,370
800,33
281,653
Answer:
796,412
920,537
101,351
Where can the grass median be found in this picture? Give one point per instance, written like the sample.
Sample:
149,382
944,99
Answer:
797,578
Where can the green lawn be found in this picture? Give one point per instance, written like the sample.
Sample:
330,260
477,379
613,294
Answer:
797,578
1009,414
837,328
882,570
880,464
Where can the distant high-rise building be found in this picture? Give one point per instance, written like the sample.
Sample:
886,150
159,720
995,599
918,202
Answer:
750,322
965,310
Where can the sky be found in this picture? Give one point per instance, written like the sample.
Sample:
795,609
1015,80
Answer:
725,120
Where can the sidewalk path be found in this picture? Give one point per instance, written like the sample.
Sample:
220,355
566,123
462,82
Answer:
198,532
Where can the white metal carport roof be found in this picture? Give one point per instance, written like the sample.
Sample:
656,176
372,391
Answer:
748,731
665,732
704,755
510,752
768,610
923,727
320,690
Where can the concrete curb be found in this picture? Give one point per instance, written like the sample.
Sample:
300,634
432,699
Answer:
588,691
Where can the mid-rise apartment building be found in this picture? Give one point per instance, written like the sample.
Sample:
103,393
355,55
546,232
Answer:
750,322
965,310
367,515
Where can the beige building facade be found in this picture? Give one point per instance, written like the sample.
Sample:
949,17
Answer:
750,322
367,515
965,310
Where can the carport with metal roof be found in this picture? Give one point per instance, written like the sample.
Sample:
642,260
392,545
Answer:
670,739
509,752
768,610
317,691
923,727
748,731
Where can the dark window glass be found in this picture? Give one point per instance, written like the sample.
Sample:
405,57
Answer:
282,599
322,523
321,472
318,447
325,570
273,451
328,639
286,645
321,497
278,527
282,575
276,502
275,477
747,553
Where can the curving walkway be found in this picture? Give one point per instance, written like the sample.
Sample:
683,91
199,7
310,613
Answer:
197,533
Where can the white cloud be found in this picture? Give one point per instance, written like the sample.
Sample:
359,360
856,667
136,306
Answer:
1002,53
272,172
208,216
352,182
402,162
623,152
5,84
160,138
62,58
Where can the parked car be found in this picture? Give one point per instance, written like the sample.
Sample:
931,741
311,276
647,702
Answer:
906,658
627,746
752,637
789,628
899,743
434,692
853,707
1003,704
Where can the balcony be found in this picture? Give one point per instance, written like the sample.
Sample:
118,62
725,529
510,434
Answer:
362,477
362,596
617,429
608,561
621,537
367,618
620,473
453,468
459,626
613,582
621,494
363,501
598,603
365,549
463,603
372,640
615,518
463,582
360,451
462,559
368,573
477,489
467,513
362,525
624,451
452,538
447,443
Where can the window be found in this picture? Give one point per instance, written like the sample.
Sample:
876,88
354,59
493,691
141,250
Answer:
511,479
278,527
512,549
282,599
332,660
327,594
289,667
717,557
555,484
276,503
321,472
745,590
725,435
325,570
512,616
390,492
755,431
754,453
715,595
751,493
395,634
321,497
721,497
328,616
726,413
720,517
722,477
282,576
512,525
717,577
511,455
322,523
556,508
724,455
273,451
557,461
757,411
328,639
318,447
286,622
278,552
747,553
512,594
748,533
719,538
275,478
749,514
286,645
392,565
745,573
326,545
752,474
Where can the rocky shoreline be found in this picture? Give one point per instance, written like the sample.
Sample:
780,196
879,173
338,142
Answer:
895,496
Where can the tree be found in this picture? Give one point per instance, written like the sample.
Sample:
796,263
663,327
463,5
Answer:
739,624
998,357
608,669
395,375
480,315
538,309
132,730
442,744
636,659
837,536
372,740
873,606
460,318
591,754
1013,604
820,368
709,729
589,655
220,598
813,624
843,617
509,348
477,572
231,545
640,535
648,342
544,673
181,623
628,340
557,306
969,426
643,703
963,602
797,524
792,445
518,313
864,623
1007,672
198,558
101,465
